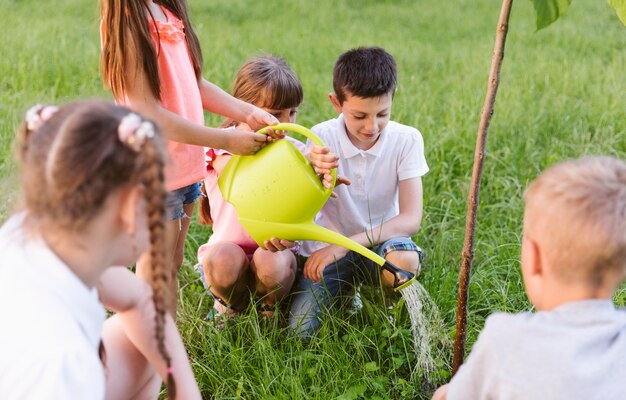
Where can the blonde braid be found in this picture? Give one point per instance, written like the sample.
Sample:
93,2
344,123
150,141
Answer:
152,179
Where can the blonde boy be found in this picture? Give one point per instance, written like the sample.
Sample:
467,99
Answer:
573,261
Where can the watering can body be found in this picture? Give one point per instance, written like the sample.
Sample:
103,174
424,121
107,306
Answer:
277,184
277,193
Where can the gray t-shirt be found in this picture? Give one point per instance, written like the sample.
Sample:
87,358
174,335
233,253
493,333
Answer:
576,351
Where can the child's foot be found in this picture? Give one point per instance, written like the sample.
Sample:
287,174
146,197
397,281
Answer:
221,311
220,314
266,310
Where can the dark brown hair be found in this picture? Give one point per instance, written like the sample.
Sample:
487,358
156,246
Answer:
265,81
364,72
74,160
126,31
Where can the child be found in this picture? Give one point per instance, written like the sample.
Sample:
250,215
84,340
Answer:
152,61
382,208
573,261
93,193
232,264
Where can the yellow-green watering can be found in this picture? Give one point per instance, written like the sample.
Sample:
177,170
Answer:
277,193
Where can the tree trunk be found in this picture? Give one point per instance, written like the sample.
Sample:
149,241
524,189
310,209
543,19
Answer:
472,201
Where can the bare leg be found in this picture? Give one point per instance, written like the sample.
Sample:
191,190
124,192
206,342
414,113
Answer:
178,254
179,248
274,274
225,270
403,259
128,373
175,234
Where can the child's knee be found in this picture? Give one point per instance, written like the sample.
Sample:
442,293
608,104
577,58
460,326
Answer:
278,267
225,266
275,277
406,260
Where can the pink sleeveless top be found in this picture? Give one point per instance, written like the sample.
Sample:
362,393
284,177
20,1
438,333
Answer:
226,226
180,94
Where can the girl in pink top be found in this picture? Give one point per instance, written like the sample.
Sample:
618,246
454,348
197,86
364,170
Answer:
233,265
152,61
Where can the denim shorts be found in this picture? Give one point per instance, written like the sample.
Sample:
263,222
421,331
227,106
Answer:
176,199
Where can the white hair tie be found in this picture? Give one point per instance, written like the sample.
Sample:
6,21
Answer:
38,115
133,131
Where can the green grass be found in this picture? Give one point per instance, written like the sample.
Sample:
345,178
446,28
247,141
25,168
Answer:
562,95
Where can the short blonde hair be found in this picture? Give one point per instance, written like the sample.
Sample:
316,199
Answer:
576,211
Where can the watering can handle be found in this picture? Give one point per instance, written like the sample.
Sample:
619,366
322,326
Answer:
285,126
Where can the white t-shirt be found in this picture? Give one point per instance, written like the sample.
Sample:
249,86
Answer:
575,351
52,323
372,198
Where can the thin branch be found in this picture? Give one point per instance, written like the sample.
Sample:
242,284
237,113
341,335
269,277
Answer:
472,201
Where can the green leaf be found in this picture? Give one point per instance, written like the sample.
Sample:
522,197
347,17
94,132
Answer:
620,9
371,366
353,392
549,11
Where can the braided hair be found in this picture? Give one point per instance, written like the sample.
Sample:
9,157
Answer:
73,157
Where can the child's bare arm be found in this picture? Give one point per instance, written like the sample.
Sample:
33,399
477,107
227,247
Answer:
406,223
123,292
217,101
177,128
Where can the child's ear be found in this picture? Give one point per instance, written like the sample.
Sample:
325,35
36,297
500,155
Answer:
533,271
129,198
335,102
532,261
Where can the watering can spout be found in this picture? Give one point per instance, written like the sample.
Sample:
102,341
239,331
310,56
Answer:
401,278
311,231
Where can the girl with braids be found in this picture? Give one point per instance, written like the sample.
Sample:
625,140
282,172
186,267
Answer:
151,60
231,263
92,182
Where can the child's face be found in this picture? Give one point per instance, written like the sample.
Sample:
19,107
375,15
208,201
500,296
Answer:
365,118
284,115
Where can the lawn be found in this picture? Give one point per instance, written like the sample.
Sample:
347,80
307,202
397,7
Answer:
563,94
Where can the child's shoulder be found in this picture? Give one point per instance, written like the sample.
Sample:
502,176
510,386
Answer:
404,134
503,328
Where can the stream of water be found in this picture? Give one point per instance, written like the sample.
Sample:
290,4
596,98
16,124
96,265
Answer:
423,313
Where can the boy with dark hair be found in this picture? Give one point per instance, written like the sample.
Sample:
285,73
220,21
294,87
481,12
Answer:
573,261
382,207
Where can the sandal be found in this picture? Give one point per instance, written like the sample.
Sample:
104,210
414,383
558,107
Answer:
221,311
266,310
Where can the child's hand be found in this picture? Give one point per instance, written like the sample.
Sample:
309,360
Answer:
245,142
323,161
440,394
320,259
259,118
341,180
275,245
